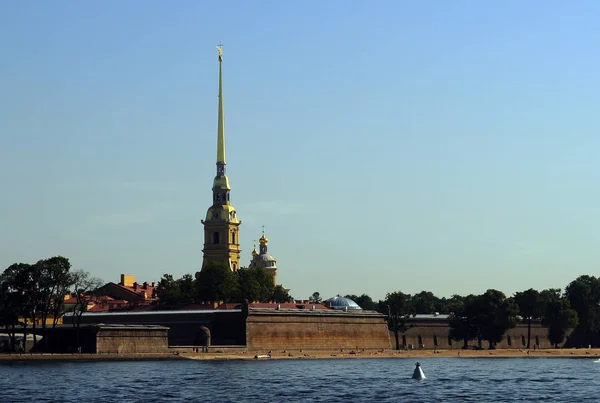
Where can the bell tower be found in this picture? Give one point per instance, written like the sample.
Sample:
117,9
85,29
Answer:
221,226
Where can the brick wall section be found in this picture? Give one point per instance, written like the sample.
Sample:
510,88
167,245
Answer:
281,330
130,341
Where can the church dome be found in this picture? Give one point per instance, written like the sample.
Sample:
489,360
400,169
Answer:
263,240
266,257
338,302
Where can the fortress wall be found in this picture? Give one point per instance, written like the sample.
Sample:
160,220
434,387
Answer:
227,327
425,334
281,330
131,341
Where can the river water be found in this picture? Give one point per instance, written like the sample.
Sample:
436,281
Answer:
337,380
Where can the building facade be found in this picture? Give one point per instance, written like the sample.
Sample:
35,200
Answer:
262,259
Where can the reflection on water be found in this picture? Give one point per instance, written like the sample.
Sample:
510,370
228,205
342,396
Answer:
341,380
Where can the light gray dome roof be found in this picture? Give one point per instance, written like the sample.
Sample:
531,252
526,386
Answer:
342,303
263,261
266,257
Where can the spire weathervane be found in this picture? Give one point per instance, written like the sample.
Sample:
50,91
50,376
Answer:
219,48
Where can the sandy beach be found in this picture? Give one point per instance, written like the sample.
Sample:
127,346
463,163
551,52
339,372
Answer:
307,354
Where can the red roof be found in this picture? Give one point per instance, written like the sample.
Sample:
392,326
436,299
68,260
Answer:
286,305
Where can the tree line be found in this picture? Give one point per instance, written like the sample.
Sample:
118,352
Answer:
488,316
33,295
216,282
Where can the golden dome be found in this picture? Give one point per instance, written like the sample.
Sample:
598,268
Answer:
263,240
254,252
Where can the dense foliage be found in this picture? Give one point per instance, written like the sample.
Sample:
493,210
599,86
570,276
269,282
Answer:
216,282
33,295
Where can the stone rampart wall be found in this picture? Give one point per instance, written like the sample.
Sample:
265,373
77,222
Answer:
132,341
314,330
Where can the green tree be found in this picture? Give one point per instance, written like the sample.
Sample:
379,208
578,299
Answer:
216,282
315,298
280,294
397,306
9,310
36,291
84,287
54,283
449,305
584,297
20,282
425,302
176,292
255,284
496,315
462,320
558,319
530,308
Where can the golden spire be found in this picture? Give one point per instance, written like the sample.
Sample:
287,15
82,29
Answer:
221,125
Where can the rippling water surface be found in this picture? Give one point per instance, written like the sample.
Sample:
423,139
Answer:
340,380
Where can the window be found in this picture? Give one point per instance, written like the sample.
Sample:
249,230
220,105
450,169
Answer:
435,340
509,340
216,238
233,237
449,341
420,340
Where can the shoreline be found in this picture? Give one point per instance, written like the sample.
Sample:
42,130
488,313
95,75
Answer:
308,354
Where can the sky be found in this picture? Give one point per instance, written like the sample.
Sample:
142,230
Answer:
385,145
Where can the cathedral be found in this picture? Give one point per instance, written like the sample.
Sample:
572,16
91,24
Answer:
221,225
262,259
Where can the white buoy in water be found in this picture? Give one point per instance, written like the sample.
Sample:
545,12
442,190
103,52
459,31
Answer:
418,373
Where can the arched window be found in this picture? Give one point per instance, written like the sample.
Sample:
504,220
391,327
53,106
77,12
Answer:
233,237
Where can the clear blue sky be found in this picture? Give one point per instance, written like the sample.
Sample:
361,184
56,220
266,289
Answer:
385,145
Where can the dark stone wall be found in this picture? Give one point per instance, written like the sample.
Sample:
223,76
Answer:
226,328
